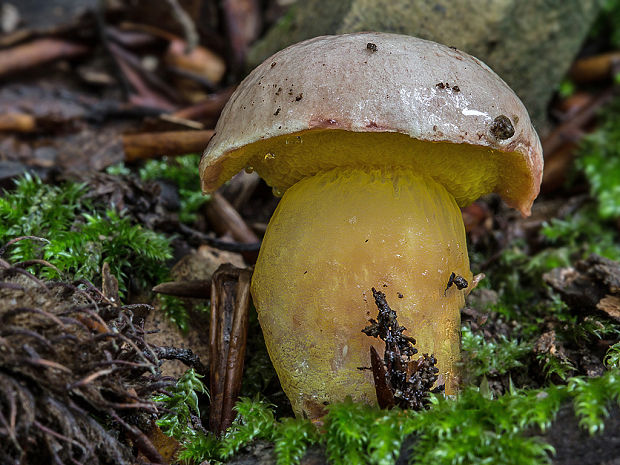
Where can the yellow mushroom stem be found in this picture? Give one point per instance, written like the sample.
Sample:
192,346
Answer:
333,237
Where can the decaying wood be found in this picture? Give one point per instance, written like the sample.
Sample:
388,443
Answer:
36,53
197,289
230,301
152,145
592,284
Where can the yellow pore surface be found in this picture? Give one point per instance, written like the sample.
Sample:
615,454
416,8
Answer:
333,237
466,171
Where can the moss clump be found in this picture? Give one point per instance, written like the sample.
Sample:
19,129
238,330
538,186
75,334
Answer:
475,428
79,235
182,172
483,358
181,403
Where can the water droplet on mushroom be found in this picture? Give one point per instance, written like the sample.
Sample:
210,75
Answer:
270,156
277,192
249,169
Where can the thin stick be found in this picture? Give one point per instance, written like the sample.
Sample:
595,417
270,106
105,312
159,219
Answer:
37,53
152,145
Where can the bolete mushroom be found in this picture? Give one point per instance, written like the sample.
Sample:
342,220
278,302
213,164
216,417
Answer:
374,141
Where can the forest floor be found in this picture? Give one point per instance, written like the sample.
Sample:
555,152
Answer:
114,266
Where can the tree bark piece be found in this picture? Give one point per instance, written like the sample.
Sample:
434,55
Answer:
230,302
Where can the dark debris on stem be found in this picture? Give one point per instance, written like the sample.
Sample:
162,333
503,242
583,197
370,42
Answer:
400,380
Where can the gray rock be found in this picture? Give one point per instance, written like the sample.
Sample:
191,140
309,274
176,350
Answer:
530,44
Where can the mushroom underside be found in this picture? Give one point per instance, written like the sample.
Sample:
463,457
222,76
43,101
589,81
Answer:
466,171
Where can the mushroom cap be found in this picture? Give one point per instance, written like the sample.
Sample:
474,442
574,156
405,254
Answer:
381,99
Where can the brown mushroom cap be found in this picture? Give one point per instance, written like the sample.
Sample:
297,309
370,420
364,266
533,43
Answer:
378,98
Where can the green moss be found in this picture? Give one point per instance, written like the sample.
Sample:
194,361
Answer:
475,428
592,398
357,433
175,310
600,160
483,358
612,357
181,403
182,171
292,438
576,237
80,235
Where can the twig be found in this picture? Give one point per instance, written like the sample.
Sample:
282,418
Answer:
243,25
131,70
17,122
89,378
20,238
563,132
196,289
208,109
224,219
595,68
152,145
103,38
169,94
23,272
38,311
236,351
37,261
193,76
218,243
37,53
44,363
189,28
141,440
186,356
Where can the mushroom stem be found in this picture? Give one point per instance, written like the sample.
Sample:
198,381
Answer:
333,237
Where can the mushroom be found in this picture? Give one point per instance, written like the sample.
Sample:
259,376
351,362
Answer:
374,141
